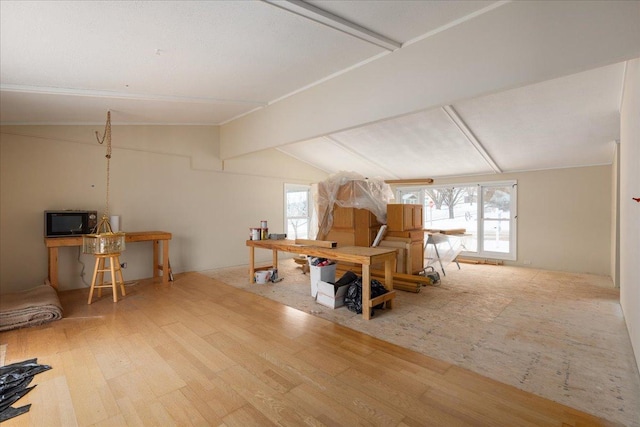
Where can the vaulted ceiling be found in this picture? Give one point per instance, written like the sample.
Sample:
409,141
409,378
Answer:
222,62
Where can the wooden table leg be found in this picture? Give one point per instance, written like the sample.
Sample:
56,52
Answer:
275,259
252,268
389,268
165,262
53,267
156,270
366,292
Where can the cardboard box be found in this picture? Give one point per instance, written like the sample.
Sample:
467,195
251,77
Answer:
329,297
324,274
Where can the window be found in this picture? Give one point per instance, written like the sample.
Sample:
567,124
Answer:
297,208
486,211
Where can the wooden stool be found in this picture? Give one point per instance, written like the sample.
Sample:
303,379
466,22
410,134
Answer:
116,275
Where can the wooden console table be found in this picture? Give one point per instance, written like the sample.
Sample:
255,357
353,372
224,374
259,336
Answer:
157,237
364,256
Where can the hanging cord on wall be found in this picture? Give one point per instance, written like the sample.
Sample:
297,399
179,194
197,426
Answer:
107,136
83,267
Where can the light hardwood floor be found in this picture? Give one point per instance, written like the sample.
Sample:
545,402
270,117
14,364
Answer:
200,352
556,334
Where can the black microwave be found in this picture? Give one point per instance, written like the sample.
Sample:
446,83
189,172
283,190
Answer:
69,223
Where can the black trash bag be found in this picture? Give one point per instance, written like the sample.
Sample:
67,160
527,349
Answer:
378,289
346,279
353,297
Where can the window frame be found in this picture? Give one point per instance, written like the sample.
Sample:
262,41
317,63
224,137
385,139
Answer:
291,188
480,251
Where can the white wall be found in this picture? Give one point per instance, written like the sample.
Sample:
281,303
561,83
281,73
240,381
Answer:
564,217
162,178
170,178
630,209
615,217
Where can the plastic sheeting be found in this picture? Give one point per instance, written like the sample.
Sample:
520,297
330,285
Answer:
351,190
14,381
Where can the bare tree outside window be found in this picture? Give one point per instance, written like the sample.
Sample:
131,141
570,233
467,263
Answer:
485,212
297,211
298,224
447,196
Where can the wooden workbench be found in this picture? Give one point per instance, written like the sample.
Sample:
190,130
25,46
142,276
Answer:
364,256
157,237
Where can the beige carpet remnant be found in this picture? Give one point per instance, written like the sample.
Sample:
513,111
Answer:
29,308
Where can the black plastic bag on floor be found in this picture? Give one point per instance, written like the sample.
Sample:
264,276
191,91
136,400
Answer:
14,380
346,279
353,297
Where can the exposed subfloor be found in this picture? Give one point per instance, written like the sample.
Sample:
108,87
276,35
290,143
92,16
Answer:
559,335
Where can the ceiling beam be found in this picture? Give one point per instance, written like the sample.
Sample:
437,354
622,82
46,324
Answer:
123,95
462,126
323,17
360,156
497,50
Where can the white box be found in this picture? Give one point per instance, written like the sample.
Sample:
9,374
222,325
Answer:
317,274
329,297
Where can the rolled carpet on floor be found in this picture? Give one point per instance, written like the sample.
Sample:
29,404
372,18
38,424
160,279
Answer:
29,308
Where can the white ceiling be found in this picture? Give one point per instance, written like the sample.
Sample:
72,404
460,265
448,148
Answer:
566,122
210,62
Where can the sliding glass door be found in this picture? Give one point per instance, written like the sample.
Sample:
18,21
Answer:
497,213
486,212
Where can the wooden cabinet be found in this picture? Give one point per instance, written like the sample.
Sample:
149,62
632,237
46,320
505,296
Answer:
416,255
412,245
343,217
401,217
403,248
352,227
